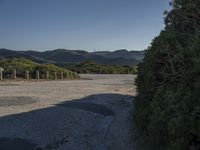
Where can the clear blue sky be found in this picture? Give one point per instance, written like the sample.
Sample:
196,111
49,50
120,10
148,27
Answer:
80,24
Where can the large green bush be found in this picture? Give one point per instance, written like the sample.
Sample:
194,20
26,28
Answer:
167,108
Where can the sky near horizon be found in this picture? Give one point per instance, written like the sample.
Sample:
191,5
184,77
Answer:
80,24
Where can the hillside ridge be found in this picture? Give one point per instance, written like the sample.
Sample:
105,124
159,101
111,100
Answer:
66,56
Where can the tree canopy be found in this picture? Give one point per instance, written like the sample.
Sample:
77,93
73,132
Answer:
167,108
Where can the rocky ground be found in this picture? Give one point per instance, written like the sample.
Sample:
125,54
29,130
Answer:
88,114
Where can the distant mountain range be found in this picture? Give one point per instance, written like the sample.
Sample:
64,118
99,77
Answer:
64,57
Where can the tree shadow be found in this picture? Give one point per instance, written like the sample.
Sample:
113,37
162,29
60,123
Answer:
95,108
37,129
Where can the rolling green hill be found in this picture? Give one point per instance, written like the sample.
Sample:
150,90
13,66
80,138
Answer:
21,65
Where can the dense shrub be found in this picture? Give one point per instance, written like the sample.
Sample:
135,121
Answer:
167,108
92,67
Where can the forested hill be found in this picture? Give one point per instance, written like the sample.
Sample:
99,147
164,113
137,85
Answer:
64,56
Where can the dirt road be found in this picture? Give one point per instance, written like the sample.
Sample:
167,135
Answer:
87,114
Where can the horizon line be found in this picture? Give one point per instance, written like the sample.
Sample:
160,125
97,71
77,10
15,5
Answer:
94,50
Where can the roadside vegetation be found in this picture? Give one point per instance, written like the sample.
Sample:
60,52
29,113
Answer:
167,108
92,67
21,65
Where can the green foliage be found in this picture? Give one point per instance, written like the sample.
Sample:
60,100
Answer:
92,67
21,65
167,108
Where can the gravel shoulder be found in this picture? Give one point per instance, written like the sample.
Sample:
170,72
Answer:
88,114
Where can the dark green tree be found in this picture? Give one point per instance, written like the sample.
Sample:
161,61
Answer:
167,108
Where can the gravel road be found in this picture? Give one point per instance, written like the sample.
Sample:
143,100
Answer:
88,114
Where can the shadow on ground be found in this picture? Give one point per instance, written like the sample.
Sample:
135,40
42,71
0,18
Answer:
37,129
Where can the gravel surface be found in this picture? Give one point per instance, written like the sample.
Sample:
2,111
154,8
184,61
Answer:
88,114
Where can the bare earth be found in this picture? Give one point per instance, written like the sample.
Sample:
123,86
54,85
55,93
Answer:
88,114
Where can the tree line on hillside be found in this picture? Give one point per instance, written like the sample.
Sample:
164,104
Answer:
167,108
92,67
21,65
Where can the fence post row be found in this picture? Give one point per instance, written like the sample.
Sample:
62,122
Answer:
62,75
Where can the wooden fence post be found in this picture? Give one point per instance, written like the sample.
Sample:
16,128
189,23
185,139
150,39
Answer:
47,75
61,75
37,75
27,74
1,75
55,75
14,74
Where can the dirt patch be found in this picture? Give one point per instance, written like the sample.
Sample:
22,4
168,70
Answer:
16,101
9,84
